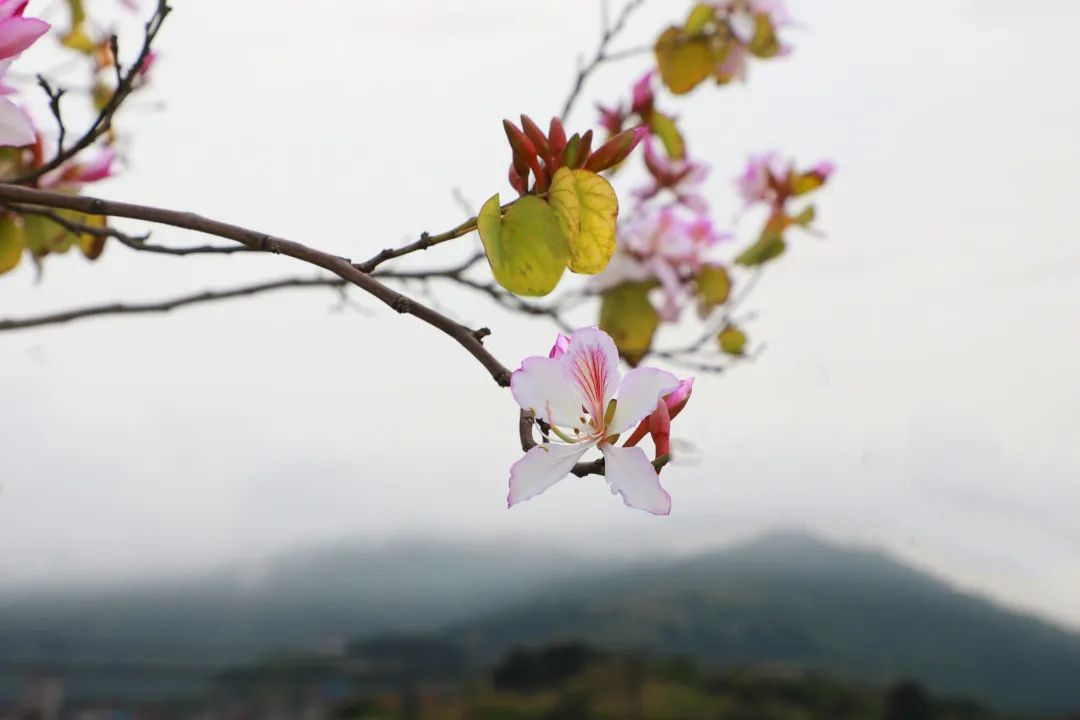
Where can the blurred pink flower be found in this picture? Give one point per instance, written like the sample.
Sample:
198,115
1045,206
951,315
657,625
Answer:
664,246
17,32
682,178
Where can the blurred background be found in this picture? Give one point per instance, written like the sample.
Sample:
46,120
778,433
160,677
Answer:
283,507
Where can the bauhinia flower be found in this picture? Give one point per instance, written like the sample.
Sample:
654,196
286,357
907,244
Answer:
664,246
17,33
682,178
769,179
579,392
658,424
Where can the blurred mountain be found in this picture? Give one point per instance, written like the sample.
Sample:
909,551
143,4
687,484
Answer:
318,599
791,600
783,600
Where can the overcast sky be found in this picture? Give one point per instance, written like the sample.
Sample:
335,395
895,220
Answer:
918,389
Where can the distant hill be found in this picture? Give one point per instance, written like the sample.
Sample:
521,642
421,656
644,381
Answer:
785,599
792,600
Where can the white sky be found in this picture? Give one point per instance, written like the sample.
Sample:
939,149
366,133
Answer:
918,388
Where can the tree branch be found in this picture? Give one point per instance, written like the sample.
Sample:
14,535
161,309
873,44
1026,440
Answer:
167,305
342,267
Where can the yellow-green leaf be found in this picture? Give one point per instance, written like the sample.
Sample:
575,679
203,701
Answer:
587,209
93,245
732,341
684,62
630,319
713,288
663,126
43,236
769,246
525,247
806,217
12,242
807,182
765,43
699,19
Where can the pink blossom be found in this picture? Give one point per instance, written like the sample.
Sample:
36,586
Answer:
665,246
682,178
587,403
17,32
658,424
758,183
643,96
74,175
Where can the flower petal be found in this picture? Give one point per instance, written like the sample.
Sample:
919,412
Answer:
19,33
631,475
591,364
638,393
542,467
559,348
541,385
15,127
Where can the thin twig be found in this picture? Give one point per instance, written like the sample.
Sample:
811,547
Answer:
607,35
167,305
103,122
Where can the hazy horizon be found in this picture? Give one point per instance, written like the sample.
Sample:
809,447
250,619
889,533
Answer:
917,393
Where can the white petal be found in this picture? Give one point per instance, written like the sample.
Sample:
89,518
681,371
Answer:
743,25
631,475
15,128
541,385
591,363
542,467
639,392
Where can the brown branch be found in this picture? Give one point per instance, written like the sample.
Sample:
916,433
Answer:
342,267
103,122
608,34
167,305
135,242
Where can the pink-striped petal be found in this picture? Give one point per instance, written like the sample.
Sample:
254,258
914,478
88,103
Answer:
631,475
542,467
591,364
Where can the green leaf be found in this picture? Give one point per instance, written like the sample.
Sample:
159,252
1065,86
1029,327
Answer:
630,319
663,126
525,247
683,62
713,288
587,209
12,242
93,245
806,217
769,246
765,43
807,182
699,19
43,236
732,341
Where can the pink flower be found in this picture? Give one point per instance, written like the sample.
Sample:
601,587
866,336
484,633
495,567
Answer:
771,180
17,32
575,393
663,246
74,175
643,96
758,183
682,178
16,127
658,424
